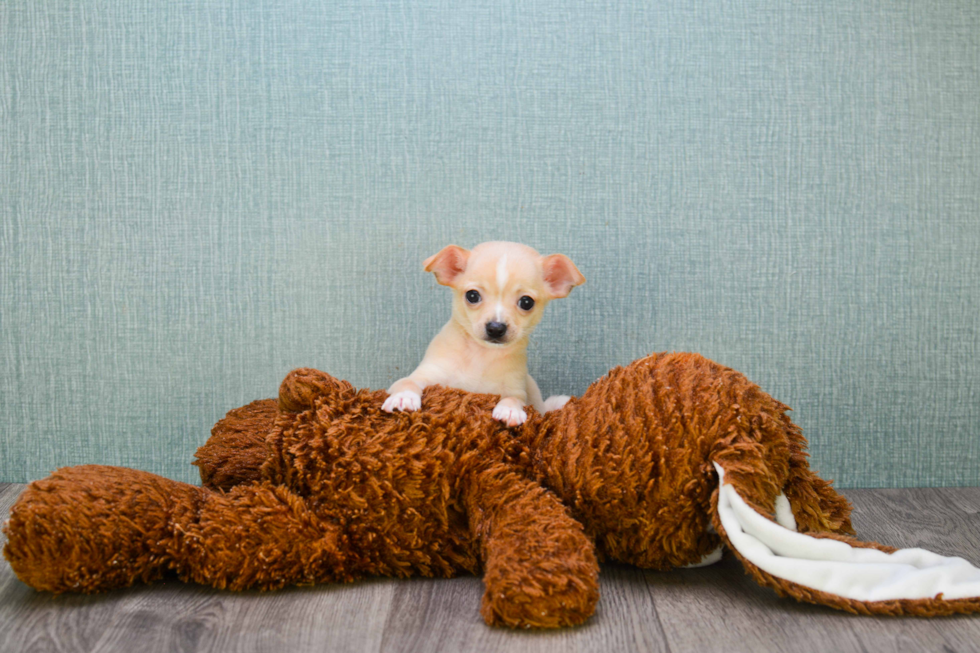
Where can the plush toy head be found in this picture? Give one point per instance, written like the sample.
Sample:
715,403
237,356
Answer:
658,464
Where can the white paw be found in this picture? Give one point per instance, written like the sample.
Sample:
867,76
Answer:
555,402
509,416
405,400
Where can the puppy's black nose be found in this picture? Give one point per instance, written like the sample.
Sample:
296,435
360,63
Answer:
496,330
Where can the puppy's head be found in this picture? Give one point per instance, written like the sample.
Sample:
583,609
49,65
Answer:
500,289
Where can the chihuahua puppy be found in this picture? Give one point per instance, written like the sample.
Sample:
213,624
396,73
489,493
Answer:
499,293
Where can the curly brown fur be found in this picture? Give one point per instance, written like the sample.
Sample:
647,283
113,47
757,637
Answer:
632,458
321,485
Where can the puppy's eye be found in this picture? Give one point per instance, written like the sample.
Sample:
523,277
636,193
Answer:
472,297
526,303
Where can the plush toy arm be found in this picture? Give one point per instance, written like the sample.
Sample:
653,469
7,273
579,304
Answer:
540,569
94,528
236,450
302,387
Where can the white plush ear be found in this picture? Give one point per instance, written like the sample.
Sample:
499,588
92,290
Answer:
836,567
448,264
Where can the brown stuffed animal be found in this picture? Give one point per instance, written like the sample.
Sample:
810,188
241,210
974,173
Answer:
658,464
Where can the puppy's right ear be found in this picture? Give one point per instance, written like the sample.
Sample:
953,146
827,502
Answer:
448,264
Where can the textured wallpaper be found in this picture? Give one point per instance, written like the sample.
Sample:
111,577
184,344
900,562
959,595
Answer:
196,197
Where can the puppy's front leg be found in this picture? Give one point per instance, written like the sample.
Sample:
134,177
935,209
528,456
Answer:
554,402
534,395
404,394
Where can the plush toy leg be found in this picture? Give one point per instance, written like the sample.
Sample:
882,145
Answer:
258,536
540,567
93,528
839,571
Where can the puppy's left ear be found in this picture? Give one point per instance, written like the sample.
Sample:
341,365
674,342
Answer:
448,264
561,275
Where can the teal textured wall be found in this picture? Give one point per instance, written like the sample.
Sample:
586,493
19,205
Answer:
199,196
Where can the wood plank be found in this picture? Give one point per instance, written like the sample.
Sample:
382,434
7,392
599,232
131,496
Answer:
173,616
8,494
943,520
698,609
443,615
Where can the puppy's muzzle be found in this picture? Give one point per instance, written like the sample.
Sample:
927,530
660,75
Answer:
496,331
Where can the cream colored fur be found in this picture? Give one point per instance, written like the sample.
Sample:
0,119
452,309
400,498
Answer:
463,354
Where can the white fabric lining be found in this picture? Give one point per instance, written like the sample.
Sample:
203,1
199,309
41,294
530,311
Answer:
708,559
836,567
711,557
784,513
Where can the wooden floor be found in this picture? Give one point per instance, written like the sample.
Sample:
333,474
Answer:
712,609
